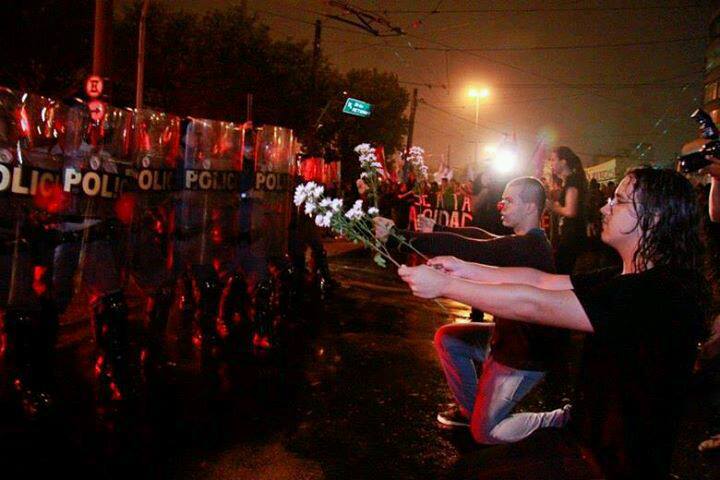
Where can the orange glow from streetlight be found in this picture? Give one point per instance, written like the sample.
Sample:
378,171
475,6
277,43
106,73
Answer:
481,93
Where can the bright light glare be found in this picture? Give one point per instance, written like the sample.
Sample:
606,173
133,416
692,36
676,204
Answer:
505,161
482,93
491,149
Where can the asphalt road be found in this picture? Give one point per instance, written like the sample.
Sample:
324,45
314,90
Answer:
351,393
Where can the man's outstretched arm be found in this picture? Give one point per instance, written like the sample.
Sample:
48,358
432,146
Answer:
553,308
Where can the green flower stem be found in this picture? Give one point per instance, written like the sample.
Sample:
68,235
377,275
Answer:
405,243
368,241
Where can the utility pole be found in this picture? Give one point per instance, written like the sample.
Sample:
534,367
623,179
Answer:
249,109
140,81
411,128
316,51
314,88
102,37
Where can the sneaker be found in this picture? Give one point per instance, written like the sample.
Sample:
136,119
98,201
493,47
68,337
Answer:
453,417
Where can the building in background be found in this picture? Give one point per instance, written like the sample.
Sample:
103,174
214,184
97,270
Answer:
712,67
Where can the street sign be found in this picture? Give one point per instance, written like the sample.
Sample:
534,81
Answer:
357,108
94,86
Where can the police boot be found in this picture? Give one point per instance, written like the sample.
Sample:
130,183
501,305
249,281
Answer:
110,321
323,271
31,335
207,296
232,321
157,311
288,288
263,315
188,306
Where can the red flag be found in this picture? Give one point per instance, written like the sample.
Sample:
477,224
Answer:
380,154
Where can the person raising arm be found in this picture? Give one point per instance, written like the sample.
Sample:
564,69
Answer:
643,321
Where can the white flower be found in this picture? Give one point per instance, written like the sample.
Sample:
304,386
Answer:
356,211
363,147
373,211
300,195
310,208
363,175
376,164
318,191
336,204
367,159
325,202
354,214
323,220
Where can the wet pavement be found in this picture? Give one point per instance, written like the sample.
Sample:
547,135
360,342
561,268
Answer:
351,393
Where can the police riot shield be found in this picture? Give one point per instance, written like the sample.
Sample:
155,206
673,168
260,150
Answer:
156,157
271,212
31,131
274,167
97,154
207,223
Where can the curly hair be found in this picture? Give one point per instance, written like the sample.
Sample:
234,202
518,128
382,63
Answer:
668,218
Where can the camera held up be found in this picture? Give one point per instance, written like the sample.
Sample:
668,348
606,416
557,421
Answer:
692,162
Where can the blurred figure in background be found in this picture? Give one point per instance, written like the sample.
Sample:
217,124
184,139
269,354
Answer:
570,207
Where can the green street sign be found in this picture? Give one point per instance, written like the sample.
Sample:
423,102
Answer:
357,108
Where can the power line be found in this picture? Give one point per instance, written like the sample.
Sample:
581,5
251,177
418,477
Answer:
298,20
478,125
542,10
548,47
659,83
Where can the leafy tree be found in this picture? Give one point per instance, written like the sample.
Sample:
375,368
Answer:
47,45
204,65
386,125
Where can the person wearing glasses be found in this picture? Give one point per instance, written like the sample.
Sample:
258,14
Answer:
643,322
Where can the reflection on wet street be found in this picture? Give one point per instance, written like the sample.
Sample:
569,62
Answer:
350,391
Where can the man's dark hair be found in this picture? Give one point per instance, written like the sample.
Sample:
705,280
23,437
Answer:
668,218
531,191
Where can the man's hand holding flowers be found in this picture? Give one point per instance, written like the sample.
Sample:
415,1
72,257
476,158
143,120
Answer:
383,228
425,281
425,224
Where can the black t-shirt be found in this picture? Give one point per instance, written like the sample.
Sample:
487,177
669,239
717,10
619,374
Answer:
518,345
573,229
636,367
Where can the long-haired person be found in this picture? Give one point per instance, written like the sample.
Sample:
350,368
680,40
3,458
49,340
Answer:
643,322
569,207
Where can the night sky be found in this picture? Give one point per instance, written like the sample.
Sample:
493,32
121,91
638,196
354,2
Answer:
636,78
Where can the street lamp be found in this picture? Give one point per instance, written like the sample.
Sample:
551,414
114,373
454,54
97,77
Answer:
477,95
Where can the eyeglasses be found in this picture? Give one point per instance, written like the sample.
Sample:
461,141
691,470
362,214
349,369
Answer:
613,201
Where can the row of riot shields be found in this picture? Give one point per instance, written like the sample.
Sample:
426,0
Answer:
193,213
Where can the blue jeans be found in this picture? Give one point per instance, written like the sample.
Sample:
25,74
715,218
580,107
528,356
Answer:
488,400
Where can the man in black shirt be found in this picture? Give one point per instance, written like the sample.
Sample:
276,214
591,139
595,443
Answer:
643,321
520,353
